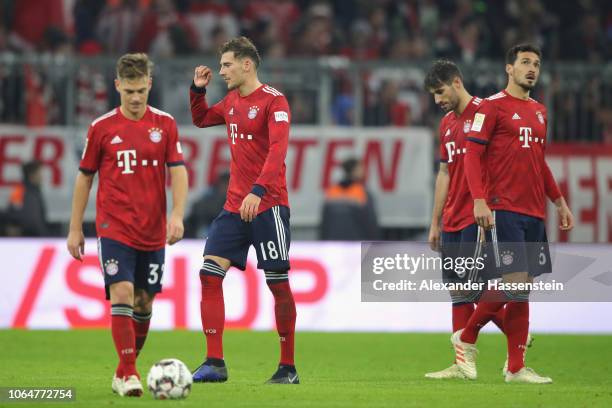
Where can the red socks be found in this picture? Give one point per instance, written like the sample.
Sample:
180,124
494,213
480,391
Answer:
498,319
461,315
122,330
517,329
212,310
141,329
284,311
484,313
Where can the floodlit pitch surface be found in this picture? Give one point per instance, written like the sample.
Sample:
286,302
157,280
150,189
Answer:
336,370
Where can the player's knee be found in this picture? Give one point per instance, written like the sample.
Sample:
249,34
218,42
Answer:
275,277
459,297
122,293
143,302
517,295
214,266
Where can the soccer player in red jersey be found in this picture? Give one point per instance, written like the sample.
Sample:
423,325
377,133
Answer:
130,148
453,230
256,212
509,181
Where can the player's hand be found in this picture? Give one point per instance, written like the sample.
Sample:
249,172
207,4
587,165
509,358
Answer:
175,229
434,237
76,244
566,218
249,207
202,76
483,214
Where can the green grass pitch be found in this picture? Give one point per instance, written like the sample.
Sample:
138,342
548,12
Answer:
336,370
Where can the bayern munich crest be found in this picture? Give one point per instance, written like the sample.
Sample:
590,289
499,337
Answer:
507,257
466,126
253,112
155,135
111,267
540,117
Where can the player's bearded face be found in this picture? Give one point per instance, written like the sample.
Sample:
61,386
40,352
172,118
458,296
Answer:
134,93
526,70
446,97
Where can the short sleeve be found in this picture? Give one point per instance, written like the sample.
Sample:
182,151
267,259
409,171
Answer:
90,160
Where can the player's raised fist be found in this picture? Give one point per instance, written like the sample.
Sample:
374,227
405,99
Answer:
202,76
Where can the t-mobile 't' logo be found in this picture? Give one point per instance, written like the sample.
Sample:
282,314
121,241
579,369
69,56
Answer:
126,160
233,132
235,135
525,136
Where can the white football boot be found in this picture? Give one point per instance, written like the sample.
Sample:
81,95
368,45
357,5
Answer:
117,384
465,356
131,387
450,372
527,375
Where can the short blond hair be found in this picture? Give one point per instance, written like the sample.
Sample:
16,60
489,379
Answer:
133,66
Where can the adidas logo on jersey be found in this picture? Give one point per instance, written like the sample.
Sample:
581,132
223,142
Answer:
231,112
448,132
116,140
516,117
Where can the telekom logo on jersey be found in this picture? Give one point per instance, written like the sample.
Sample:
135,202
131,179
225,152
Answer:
234,133
525,136
126,159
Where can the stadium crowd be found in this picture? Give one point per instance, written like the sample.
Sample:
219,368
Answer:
464,30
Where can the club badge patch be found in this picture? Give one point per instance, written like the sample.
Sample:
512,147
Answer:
111,267
540,117
253,110
507,257
155,134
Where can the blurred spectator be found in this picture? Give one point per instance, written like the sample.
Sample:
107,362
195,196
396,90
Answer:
587,41
317,34
348,211
117,25
209,17
270,22
26,215
205,209
344,103
165,32
388,108
31,19
85,15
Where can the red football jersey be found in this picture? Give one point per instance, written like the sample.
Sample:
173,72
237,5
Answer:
130,157
258,134
516,174
458,210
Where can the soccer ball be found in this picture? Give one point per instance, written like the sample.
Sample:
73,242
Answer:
169,379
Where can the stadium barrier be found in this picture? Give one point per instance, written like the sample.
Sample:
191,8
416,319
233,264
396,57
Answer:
398,163
42,287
